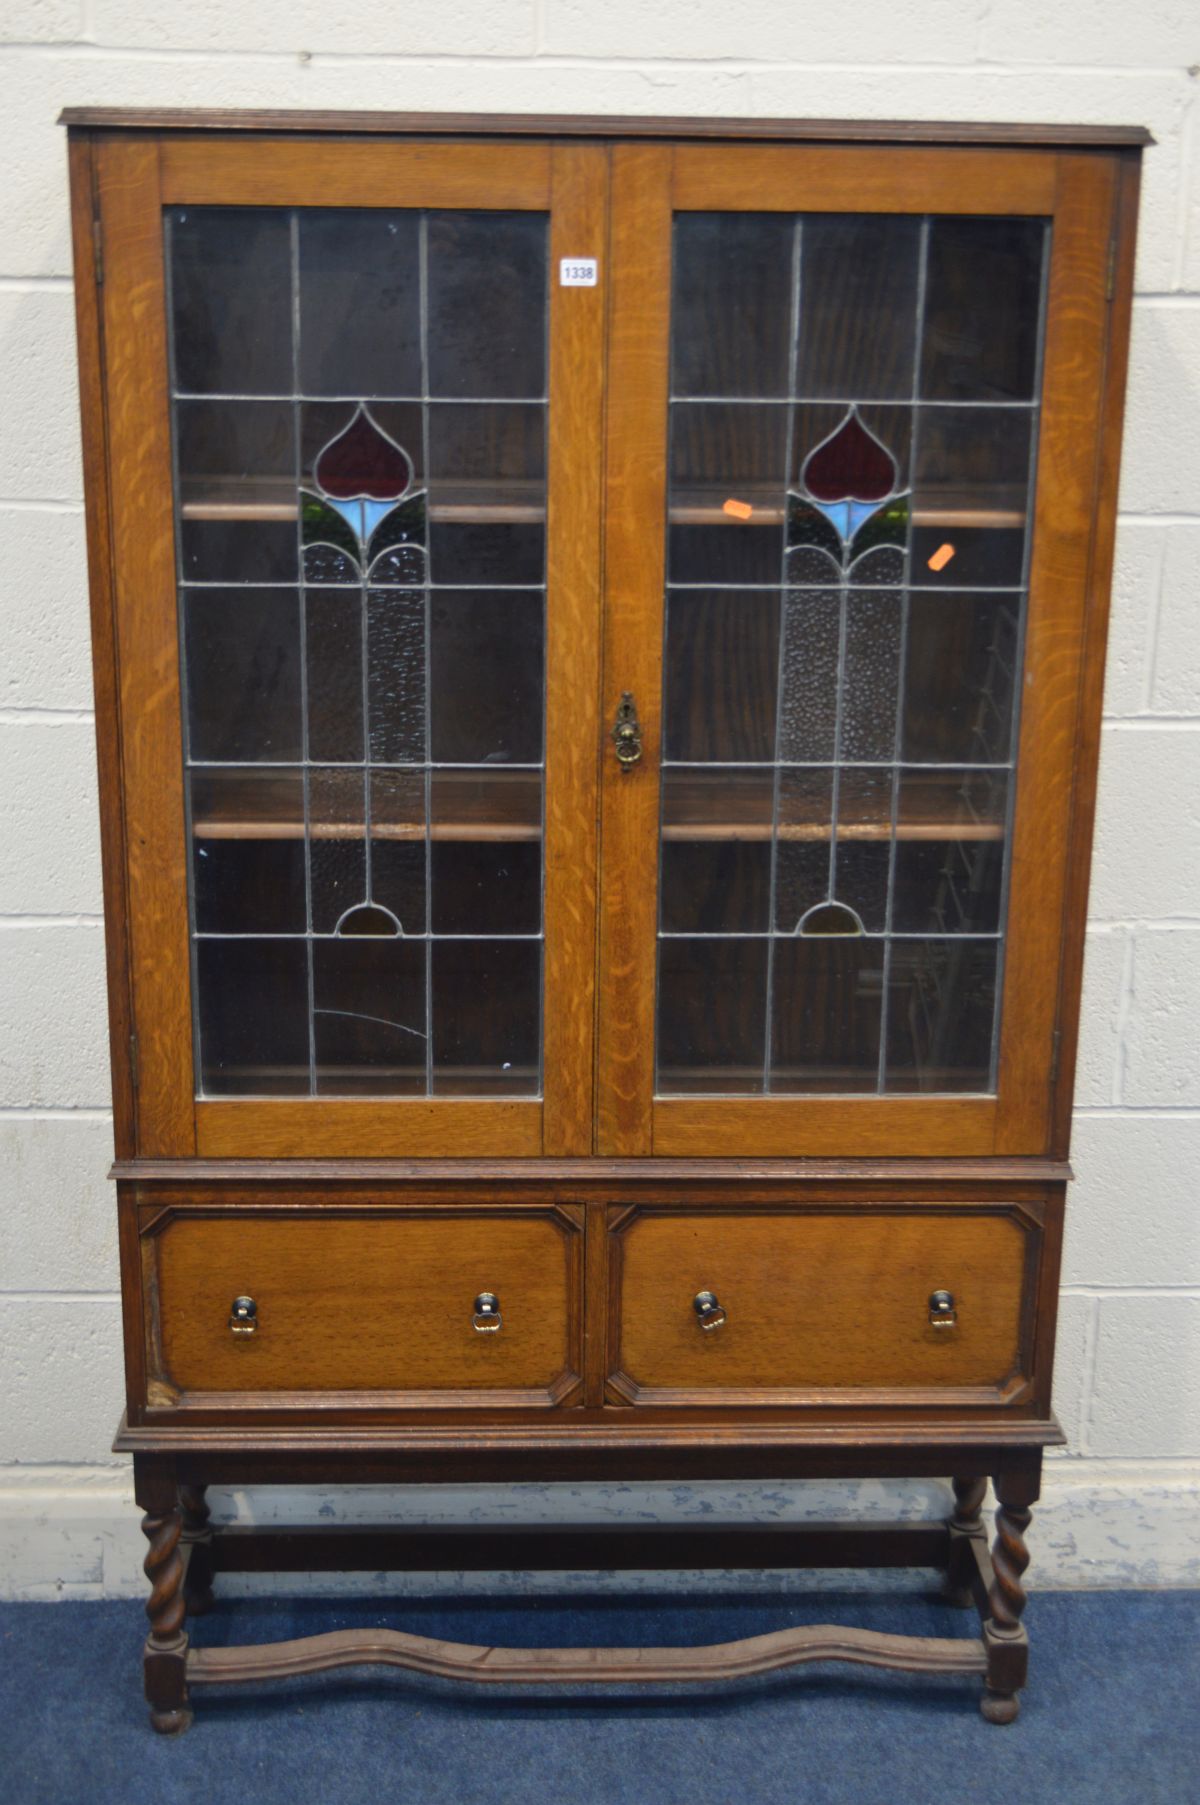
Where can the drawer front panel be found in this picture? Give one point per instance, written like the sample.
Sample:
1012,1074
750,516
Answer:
817,1301
354,1301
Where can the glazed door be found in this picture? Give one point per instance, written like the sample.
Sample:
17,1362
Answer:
854,410
354,403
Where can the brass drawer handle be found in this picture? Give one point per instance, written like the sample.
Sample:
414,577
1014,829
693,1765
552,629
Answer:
243,1316
627,733
487,1318
942,1312
709,1312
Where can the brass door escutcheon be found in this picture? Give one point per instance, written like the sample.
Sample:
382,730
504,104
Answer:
627,733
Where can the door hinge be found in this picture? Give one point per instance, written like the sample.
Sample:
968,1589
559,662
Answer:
98,247
1055,1054
133,1060
1110,277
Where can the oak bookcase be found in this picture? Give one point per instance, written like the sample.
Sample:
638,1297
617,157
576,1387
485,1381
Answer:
599,633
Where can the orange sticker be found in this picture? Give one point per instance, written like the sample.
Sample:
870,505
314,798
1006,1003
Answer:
941,557
741,510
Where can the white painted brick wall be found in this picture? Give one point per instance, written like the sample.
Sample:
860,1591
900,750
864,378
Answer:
1129,1366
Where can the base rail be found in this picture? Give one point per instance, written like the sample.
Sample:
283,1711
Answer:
187,1551
717,1661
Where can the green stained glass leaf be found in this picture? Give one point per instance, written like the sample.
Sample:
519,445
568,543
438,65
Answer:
322,525
809,528
886,526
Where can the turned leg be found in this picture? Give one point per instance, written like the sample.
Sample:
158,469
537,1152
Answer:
197,1539
965,1527
165,1655
1004,1634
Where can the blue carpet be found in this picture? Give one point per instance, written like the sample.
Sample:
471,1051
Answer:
1112,1713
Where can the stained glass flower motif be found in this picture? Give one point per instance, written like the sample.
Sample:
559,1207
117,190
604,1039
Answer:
365,518
848,509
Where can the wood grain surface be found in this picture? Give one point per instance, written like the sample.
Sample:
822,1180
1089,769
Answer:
1060,597
105,662
816,1302
340,1127
143,554
578,228
288,172
381,1303
856,179
1091,702
584,1666
635,563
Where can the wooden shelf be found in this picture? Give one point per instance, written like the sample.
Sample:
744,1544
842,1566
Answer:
466,805
506,806
215,828
741,808
846,830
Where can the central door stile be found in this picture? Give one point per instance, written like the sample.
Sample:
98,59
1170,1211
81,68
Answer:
636,481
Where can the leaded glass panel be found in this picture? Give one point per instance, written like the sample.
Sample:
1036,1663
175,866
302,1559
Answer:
854,416
359,428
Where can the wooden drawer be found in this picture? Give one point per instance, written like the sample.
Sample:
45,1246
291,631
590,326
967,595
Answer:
818,1302
352,1300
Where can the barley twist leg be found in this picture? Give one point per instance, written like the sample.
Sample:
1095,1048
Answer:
165,1653
1004,1634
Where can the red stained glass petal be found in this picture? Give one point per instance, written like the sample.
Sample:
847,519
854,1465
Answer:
852,465
363,464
